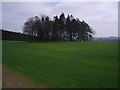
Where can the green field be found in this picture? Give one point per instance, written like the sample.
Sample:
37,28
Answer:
65,64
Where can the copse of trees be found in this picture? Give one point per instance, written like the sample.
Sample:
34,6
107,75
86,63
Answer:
58,29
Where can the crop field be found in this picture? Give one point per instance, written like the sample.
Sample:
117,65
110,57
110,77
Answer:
64,64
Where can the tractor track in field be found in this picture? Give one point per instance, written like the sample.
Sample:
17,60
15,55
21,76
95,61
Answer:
13,79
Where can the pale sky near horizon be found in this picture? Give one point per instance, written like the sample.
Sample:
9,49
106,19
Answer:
101,16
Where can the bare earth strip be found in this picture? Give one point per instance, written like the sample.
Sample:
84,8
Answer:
13,79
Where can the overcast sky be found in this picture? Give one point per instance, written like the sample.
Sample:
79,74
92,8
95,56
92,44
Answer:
101,16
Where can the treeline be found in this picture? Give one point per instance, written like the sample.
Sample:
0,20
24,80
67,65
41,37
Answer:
58,29
9,35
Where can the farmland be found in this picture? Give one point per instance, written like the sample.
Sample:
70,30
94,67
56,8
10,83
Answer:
64,64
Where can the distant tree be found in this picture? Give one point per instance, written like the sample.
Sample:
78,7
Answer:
86,31
70,21
68,24
47,28
37,27
62,26
74,29
28,28
56,29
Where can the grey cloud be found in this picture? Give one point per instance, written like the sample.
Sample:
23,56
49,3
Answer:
101,16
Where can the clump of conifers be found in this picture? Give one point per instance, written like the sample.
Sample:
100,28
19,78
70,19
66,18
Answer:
58,29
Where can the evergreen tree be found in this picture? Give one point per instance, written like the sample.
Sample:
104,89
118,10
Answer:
61,26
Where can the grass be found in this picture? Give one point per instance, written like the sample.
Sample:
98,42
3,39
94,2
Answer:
65,64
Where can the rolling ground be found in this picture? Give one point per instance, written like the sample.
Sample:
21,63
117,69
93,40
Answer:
64,64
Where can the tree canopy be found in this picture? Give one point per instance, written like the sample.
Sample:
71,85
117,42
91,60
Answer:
58,29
